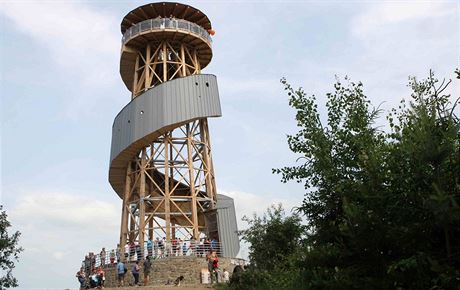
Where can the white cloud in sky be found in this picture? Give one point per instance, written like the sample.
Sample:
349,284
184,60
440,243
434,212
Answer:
57,230
75,33
83,42
393,12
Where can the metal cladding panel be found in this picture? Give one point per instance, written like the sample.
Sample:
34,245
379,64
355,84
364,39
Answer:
174,102
226,222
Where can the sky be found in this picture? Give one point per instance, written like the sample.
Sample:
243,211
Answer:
60,91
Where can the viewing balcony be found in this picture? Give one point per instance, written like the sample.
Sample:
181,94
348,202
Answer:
166,24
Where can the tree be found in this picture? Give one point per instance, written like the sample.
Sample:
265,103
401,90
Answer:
275,241
9,251
382,208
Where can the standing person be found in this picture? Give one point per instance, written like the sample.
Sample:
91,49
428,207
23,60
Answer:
81,276
126,252
161,247
149,246
147,265
184,248
102,257
213,265
132,251
174,246
118,252
193,246
135,270
155,247
87,264
138,251
112,257
121,271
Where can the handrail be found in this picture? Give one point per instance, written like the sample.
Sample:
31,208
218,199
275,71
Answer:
165,23
155,250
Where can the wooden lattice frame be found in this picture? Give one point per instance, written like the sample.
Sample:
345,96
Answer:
183,157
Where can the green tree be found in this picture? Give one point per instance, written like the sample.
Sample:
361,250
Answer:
9,252
382,208
275,241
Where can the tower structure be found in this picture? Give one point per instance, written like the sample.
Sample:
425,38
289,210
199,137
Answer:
161,163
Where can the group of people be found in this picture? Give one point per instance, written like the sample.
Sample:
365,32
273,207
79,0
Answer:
94,280
161,248
122,270
91,274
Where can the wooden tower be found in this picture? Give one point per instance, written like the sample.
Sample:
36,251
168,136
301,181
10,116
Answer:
161,164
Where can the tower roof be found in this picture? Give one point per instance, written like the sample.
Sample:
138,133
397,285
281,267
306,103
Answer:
165,9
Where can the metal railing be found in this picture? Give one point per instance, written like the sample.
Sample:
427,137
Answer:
154,249
165,23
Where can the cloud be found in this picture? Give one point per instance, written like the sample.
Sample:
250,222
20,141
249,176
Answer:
390,13
57,230
248,204
76,34
83,44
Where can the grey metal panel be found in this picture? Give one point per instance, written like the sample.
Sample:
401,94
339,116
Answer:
228,230
173,102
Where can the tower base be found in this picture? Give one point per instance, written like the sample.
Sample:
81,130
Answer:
170,269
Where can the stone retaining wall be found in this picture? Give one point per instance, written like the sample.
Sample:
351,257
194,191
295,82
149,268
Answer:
170,268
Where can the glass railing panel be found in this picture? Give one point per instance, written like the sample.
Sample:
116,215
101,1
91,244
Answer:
163,23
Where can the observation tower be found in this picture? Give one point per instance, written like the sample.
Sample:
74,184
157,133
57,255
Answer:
160,162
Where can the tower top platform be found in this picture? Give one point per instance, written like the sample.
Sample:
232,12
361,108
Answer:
164,10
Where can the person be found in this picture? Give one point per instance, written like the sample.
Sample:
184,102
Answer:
138,251
102,256
118,252
161,247
94,279
101,275
87,264
174,246
184,248
214,245
121,270
155,247
147,265
149,246
132,251
193,246
112,257
81,276
225,276
207,245
213,265
167,247
126,251
135,270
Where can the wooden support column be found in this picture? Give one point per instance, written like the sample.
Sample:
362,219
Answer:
197,62
191,172
151,237
148,78
136,77
167,193
204,133
124,211
141,198
165,62
182,57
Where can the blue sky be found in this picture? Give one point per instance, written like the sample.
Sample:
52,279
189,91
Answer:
60,91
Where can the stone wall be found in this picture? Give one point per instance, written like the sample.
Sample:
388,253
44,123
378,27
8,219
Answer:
169,269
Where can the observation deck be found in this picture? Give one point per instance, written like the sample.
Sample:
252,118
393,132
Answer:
156,22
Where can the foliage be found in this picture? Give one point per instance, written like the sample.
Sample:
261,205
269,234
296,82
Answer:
275,245
9,251
382,208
